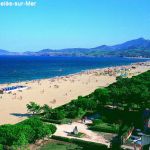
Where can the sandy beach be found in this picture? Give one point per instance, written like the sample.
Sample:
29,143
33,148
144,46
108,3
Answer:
60,90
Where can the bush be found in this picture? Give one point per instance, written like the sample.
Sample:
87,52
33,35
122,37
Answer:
55,114
1,147
59,114
40,129
103,129
97,121
28,131
76,113
85,103
99,125
86,144
52,128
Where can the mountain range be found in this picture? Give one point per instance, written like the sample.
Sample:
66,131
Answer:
134,48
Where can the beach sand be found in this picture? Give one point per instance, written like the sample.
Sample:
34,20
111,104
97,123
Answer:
60,90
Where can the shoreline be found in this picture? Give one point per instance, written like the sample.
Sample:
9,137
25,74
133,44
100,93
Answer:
60,90
82,71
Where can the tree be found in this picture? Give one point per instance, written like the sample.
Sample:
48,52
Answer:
85,103
46,109
33,108
21,142
44,131
40,129
58,114
28,131
119,78
102,96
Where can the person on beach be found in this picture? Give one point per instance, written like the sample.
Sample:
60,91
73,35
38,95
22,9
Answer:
53,102
42,91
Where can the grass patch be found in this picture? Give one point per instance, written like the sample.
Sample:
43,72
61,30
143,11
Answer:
60,146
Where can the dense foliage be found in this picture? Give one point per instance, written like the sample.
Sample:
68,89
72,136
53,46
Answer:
128,94
33,107
99,125
124,96
131,93
23,133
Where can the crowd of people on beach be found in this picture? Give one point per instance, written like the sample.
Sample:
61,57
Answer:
123,71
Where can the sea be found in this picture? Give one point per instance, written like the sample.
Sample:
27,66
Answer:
25,68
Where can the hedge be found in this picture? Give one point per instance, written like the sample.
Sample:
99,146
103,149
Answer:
85,144
25,132
104,129
100,126
63,121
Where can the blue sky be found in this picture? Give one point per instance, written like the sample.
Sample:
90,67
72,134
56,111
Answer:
73,23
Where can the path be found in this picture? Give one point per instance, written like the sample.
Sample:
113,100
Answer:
62,130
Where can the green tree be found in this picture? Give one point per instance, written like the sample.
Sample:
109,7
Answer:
85,103
37,126
33,108
46,109
58,114
28,131
102,96
21,142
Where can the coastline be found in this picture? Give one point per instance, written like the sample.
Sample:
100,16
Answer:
60,90
78,72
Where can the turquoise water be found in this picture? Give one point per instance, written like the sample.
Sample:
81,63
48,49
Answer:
22,68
